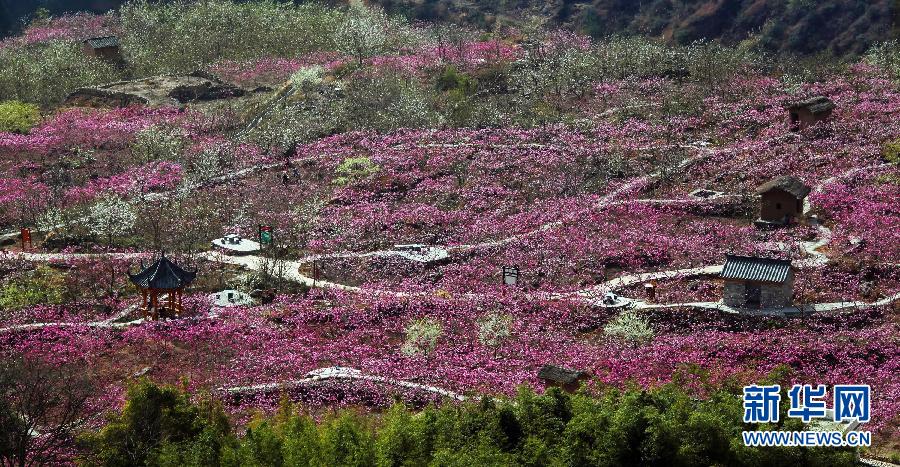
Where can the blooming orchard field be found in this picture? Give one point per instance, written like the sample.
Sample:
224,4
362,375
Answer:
598,190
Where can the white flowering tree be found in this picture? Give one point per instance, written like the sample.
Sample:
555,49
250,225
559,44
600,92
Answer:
112,216
494,329
363,32
630,327
307,76
157,143
55,219
421,336
207,165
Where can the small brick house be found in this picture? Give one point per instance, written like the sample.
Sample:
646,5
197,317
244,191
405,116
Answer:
806,113
564,378
757,283
781,200
105,48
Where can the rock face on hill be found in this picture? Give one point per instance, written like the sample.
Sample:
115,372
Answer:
840,27
155,91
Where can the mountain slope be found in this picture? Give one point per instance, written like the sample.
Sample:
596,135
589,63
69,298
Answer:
839,27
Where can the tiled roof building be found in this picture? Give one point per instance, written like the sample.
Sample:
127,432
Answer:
753,283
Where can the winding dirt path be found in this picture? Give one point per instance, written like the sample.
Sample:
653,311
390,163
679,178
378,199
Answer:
290,270
348,375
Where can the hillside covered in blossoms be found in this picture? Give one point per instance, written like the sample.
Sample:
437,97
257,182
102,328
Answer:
260,210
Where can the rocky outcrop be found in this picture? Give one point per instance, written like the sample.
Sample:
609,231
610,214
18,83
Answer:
175,90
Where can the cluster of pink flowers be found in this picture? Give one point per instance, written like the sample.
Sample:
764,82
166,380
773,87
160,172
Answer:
267,71
466,56
85,129
153,177
572,206
284,341
98,144
866,214
67,27
20,197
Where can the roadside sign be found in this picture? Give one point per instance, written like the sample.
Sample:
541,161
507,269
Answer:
266,236
26,239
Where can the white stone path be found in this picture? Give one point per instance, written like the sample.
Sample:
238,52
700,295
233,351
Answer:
109,323
290,270
350,375
817,258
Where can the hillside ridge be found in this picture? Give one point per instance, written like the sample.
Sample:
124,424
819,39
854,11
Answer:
836,27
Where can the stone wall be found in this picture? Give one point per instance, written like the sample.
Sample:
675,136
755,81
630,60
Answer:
733,294
778,296
807,119
771,295
776,204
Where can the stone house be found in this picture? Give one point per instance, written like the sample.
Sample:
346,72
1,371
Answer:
781,200
105,48
757,283
806,113
564,378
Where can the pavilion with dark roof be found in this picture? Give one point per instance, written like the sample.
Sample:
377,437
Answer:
808,112
557,376
781,200
162,280
757,283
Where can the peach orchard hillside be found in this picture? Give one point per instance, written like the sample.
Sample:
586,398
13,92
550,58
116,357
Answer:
599,169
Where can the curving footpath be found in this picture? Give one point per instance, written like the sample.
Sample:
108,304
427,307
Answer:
290,270
349,375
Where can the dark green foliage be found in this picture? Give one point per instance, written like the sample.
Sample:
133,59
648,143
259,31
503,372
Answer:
160,426
453,80
664,426
458,94
346,440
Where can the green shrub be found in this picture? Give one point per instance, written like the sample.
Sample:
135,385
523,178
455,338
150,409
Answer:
891,151
307,76
41,286
421,336
662,426
494,329
452,79
159,425
353,169
18,117
346,440
630,327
